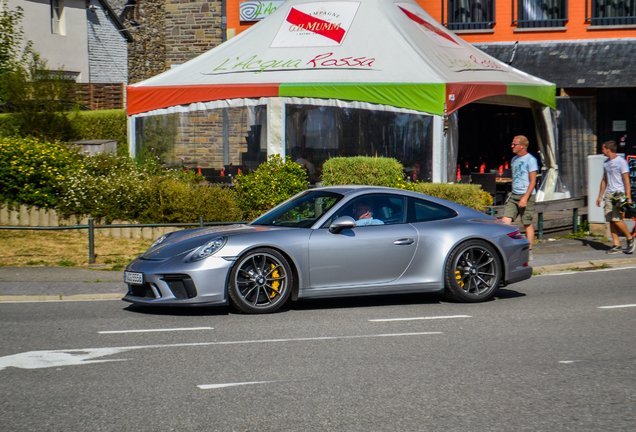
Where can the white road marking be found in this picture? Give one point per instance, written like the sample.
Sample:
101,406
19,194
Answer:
155,330
420,318
568,361
585,271
70,357
217,386
617,306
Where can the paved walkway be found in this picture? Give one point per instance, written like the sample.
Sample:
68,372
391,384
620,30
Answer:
69,283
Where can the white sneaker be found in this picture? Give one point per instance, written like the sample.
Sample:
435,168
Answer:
530,257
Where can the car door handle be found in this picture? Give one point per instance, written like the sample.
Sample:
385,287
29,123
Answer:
405,241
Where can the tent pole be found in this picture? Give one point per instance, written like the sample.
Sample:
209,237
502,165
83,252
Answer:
438,143
276,127
226,138
132,147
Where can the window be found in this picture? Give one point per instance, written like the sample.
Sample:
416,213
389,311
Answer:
423,211
541,13
58,23
469,14
377,209
611,12
301,212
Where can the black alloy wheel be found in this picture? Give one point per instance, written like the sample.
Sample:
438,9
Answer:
260,282
473,272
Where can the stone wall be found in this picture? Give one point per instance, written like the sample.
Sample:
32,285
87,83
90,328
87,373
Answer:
147,53
190,29
170,32
200,138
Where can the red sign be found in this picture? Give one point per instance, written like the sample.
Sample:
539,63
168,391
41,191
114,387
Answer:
316,25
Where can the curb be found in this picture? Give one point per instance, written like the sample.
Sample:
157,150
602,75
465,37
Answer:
75,297
585,265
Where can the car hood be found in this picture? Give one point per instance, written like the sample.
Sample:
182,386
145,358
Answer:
180,242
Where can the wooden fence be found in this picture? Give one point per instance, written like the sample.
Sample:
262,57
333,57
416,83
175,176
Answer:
100,96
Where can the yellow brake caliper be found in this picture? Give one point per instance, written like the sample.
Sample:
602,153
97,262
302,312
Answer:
458,276
276,283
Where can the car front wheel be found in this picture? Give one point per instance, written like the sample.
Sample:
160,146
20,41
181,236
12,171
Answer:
473,272
260,282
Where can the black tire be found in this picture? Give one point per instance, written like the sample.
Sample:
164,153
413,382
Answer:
260,282
472,273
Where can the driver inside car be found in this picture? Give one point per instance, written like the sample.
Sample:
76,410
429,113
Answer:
363,213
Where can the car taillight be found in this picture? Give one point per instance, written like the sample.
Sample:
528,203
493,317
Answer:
516,235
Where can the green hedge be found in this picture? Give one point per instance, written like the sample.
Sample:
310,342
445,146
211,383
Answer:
105,124
116,187
174,200
362,170
269,185
465,194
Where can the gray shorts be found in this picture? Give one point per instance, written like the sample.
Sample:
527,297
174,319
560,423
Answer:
512,210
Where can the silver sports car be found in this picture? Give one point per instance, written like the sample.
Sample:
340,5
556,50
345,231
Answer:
330,242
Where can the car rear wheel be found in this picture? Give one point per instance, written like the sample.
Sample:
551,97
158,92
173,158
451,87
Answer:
473,272
260,282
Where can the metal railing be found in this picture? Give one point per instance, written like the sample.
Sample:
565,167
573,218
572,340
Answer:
610,12
457,11
92,226
525,8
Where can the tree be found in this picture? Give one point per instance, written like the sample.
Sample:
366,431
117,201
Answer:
39,99
12,51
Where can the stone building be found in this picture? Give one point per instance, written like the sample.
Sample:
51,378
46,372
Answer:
168,33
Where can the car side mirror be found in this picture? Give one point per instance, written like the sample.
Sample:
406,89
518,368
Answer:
343,222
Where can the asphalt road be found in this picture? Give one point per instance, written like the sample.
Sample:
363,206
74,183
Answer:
542,356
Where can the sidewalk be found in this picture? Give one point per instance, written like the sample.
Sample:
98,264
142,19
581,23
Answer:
69,283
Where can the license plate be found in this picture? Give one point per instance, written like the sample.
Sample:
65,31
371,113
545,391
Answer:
134,278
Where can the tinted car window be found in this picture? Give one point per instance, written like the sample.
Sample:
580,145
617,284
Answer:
301,212
422,211
384,209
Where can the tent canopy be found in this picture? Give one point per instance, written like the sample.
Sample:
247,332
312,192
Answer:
388,52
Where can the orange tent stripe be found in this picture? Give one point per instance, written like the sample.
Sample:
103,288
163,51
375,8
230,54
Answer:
147,98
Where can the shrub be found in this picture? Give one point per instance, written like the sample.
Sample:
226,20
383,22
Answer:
105,124
272,183
362,170
106,186
31,170
171,199
465,194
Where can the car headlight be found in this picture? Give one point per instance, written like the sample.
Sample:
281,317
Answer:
208,249
159,240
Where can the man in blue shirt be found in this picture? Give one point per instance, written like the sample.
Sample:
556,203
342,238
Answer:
364,215
524,179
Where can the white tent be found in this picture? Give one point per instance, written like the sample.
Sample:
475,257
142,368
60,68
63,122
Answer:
377,55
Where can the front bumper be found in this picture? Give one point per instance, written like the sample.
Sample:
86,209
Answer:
178,283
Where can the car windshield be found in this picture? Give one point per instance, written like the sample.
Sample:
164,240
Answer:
301,212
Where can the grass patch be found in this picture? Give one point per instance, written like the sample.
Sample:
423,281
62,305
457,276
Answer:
592,267
66,248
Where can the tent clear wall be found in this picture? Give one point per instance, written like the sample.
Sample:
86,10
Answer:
333,78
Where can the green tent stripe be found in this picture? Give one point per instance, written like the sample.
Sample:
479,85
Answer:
427,98
543,94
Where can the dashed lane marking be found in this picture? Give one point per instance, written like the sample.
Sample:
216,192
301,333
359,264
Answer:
218,386
154,330
420,318
617,306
